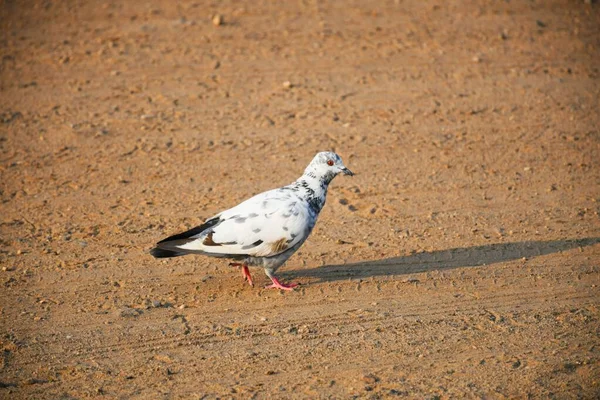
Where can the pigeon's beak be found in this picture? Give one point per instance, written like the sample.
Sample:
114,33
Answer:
346,171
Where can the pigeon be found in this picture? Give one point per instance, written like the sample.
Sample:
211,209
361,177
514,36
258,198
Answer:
265,230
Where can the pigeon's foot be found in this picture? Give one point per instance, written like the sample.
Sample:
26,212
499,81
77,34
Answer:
278,285
245,272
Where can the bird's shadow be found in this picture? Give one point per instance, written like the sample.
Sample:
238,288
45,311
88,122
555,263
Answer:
440,260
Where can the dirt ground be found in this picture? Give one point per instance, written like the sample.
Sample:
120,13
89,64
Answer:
463,259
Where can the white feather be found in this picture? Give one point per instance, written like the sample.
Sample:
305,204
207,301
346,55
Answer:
276,219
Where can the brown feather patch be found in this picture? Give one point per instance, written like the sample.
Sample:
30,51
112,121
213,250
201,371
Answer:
279,246
208,240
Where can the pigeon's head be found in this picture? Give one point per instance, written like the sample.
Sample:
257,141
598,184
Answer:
326,165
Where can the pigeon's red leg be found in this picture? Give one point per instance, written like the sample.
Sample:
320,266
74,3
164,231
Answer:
246,274
278,285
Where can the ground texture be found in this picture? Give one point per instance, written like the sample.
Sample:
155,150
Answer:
462,260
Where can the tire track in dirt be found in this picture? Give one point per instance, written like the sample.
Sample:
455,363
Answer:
437,311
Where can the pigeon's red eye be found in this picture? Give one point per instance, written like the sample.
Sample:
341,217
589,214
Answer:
330,162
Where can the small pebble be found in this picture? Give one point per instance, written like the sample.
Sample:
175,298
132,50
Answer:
217,20
129,312
369,378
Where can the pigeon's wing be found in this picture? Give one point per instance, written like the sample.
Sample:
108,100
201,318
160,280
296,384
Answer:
263,226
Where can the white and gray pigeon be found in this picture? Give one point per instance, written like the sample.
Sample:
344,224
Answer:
265,230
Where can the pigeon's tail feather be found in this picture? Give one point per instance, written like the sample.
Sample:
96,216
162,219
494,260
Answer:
169,247
193,232
157,252
169,250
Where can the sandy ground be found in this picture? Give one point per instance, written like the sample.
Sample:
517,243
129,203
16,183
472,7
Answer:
463,259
